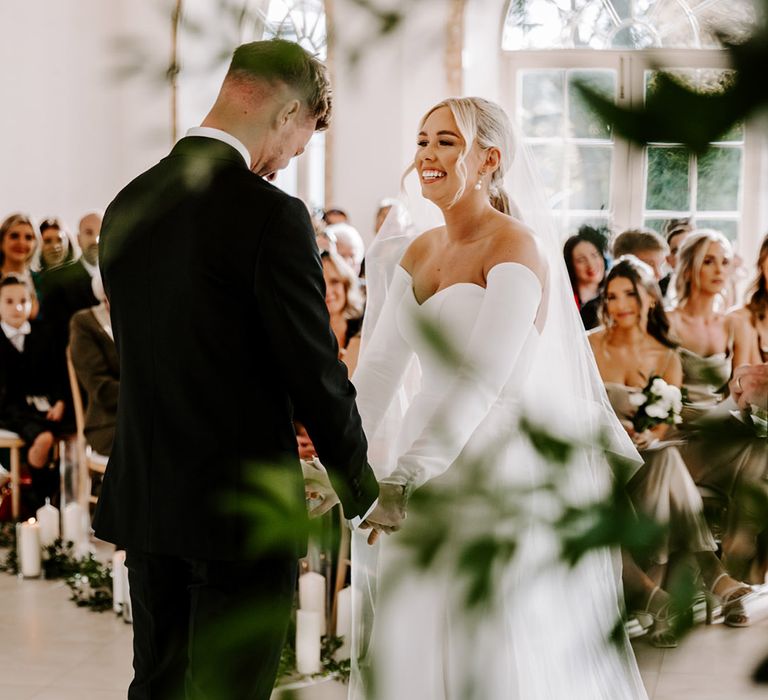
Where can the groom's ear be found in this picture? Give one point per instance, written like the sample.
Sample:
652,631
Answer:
289,111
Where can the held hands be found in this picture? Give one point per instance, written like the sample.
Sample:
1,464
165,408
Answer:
317,486
389,513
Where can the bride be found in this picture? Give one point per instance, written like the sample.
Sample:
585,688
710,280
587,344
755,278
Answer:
497,292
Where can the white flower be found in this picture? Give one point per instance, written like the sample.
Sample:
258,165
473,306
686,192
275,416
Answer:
637,399
672,392
656,410
677,419
659,386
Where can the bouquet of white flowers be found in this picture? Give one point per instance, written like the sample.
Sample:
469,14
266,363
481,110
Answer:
657,403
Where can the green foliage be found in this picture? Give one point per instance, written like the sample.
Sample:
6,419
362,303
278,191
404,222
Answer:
90,584
59,560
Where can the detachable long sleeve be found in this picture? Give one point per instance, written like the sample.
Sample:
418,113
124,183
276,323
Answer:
384,359
504,322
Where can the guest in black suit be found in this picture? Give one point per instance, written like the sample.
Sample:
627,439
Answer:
32,384
67,288
217,305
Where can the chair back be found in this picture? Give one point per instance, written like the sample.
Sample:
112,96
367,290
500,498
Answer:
82,461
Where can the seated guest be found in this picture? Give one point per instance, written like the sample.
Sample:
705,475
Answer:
633,346
675,232
349,244
644,244
33,384
586,262
67,288
345,308
94,357
385,206
755,311
55,247
749,386
711,345
335,216
18,244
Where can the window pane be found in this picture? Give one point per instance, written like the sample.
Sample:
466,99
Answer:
719,174
726,226
583,121
543,102
550,162
655,224
667,179
589,177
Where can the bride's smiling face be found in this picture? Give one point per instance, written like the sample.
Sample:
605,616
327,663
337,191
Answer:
439,146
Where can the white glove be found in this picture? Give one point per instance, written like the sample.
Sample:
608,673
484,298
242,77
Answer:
317,487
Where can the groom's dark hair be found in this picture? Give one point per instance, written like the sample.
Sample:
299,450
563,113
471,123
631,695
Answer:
278,60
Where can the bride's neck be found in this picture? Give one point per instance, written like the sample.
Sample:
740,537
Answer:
464,218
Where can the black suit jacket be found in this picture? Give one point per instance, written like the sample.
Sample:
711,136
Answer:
217,303
63,291
38,371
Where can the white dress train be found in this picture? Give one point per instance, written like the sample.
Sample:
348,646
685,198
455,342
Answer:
545,638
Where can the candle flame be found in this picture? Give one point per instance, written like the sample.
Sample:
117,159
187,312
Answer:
31,521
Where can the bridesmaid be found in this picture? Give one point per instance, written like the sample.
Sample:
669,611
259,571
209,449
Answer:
711,345
633,346
755,311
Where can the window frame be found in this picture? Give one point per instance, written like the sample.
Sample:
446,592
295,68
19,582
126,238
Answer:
628,173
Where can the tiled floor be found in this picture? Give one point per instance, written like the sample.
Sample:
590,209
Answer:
52,650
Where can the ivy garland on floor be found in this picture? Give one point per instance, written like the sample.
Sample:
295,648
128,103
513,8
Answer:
90,583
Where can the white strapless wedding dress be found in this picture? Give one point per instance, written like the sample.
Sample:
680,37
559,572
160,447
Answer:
545,637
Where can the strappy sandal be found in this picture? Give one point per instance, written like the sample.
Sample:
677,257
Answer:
733,602
659,624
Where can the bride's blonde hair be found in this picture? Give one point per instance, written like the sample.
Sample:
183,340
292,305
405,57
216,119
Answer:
486,123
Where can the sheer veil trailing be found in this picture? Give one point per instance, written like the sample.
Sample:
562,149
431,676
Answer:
565,394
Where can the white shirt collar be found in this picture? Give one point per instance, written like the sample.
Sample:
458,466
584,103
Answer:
219,135
16,335
90,269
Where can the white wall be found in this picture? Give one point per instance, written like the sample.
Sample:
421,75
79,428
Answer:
71,134
378,103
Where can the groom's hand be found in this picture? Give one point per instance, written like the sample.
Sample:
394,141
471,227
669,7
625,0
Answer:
389,513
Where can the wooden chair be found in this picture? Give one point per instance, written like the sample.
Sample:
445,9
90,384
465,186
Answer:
14,443
88,461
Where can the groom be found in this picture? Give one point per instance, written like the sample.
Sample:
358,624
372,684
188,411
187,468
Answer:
217,302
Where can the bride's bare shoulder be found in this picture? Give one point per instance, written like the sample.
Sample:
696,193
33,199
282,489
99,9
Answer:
513,241
419,248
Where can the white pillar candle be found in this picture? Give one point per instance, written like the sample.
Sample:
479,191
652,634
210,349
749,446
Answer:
73,523
312,595
344,622
308,633
29,555
118,564
48,517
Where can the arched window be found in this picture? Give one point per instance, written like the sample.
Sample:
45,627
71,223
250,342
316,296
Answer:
617,47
